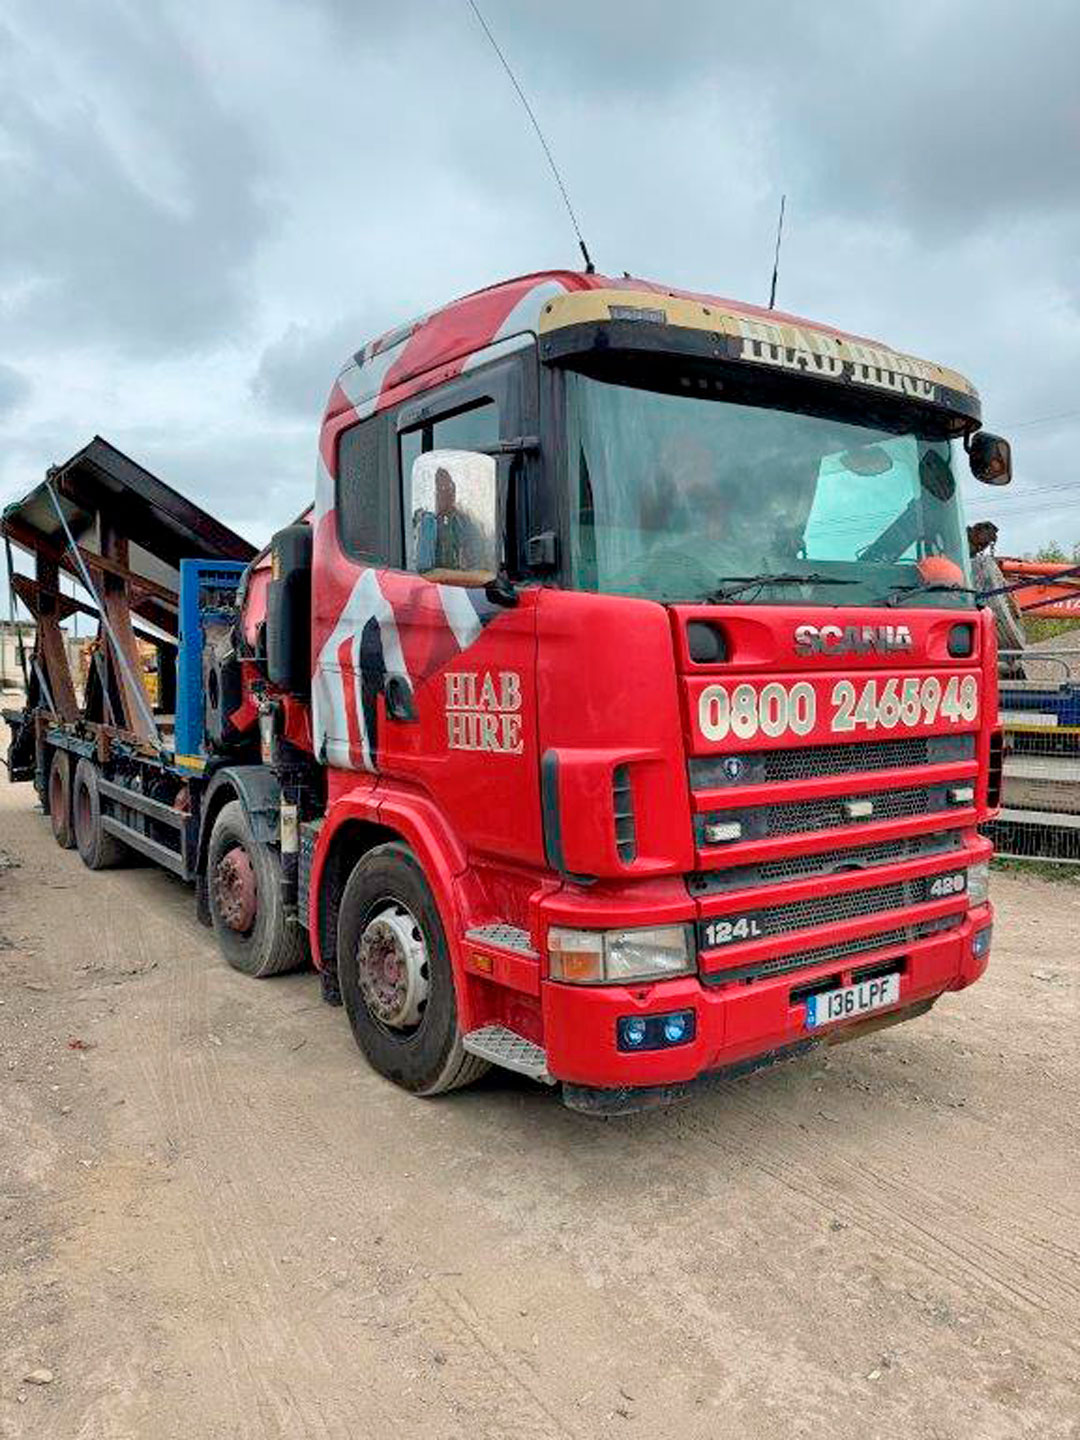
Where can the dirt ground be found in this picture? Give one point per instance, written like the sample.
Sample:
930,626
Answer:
215,1221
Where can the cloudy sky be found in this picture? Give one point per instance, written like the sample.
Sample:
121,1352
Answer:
205,207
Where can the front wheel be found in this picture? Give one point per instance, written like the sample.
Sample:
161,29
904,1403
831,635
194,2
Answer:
395,975
243,879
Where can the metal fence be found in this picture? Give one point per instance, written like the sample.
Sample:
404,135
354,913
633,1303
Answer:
1040,719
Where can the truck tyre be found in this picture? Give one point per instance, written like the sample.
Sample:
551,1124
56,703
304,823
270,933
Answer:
60,800
97,850
246,910
395,975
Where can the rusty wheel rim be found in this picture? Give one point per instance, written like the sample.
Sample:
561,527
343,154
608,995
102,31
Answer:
393,970
236,893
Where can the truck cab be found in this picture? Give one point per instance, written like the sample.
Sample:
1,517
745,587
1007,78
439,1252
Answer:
652,716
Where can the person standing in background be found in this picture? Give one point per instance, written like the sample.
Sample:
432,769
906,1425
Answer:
987,575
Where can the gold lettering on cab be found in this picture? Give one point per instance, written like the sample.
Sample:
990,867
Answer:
483,711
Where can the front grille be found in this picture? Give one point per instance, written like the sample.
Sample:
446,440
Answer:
808,762
804,959
841,759
834,812
823,862
829,909
830,814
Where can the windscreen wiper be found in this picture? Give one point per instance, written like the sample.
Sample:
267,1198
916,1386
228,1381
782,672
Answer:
930,587
732,585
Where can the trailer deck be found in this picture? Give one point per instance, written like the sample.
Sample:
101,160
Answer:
152,567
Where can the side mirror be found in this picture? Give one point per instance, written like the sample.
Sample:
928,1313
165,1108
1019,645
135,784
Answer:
451,517
990,458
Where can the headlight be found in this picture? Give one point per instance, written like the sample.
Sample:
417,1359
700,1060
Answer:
597,957
979,883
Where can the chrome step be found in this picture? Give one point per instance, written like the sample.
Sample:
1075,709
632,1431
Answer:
512,1051
501,936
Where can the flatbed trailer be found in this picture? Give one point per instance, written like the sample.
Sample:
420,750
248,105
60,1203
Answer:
116,772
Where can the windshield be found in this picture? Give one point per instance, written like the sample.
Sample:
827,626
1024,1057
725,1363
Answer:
672,495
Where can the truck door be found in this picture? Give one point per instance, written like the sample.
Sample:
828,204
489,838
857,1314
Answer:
472,742
440,682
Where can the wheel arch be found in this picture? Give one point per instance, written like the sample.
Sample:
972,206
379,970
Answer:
355,825
351,838
259,792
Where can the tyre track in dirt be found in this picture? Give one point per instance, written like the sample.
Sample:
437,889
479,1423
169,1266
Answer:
953,1214
428,1312
239,1224
202,1098
678,1261
185,1099
271,1242
926,1244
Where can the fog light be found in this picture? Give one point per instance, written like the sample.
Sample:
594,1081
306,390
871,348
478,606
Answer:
980,942
962,795
675,1028
634,1032
655,1032
718,831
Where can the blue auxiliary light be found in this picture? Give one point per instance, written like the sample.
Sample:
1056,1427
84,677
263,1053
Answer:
676,1027
980,941
655,1032
633,1033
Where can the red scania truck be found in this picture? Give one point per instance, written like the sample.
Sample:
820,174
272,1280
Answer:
620,713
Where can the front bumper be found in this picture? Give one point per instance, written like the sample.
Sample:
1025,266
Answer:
738,1024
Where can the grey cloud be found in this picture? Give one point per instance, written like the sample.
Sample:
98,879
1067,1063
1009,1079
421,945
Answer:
127,203
14,389
936,129
943,118
254,478
633,48
295,372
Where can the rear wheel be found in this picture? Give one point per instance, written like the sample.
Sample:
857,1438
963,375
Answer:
395,975
244,887
98,850
60,800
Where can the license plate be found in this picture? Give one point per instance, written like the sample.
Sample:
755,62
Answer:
847,1001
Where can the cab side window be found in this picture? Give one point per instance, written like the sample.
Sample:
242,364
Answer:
363,495
440,531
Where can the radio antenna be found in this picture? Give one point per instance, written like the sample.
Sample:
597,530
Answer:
776,257
590,268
